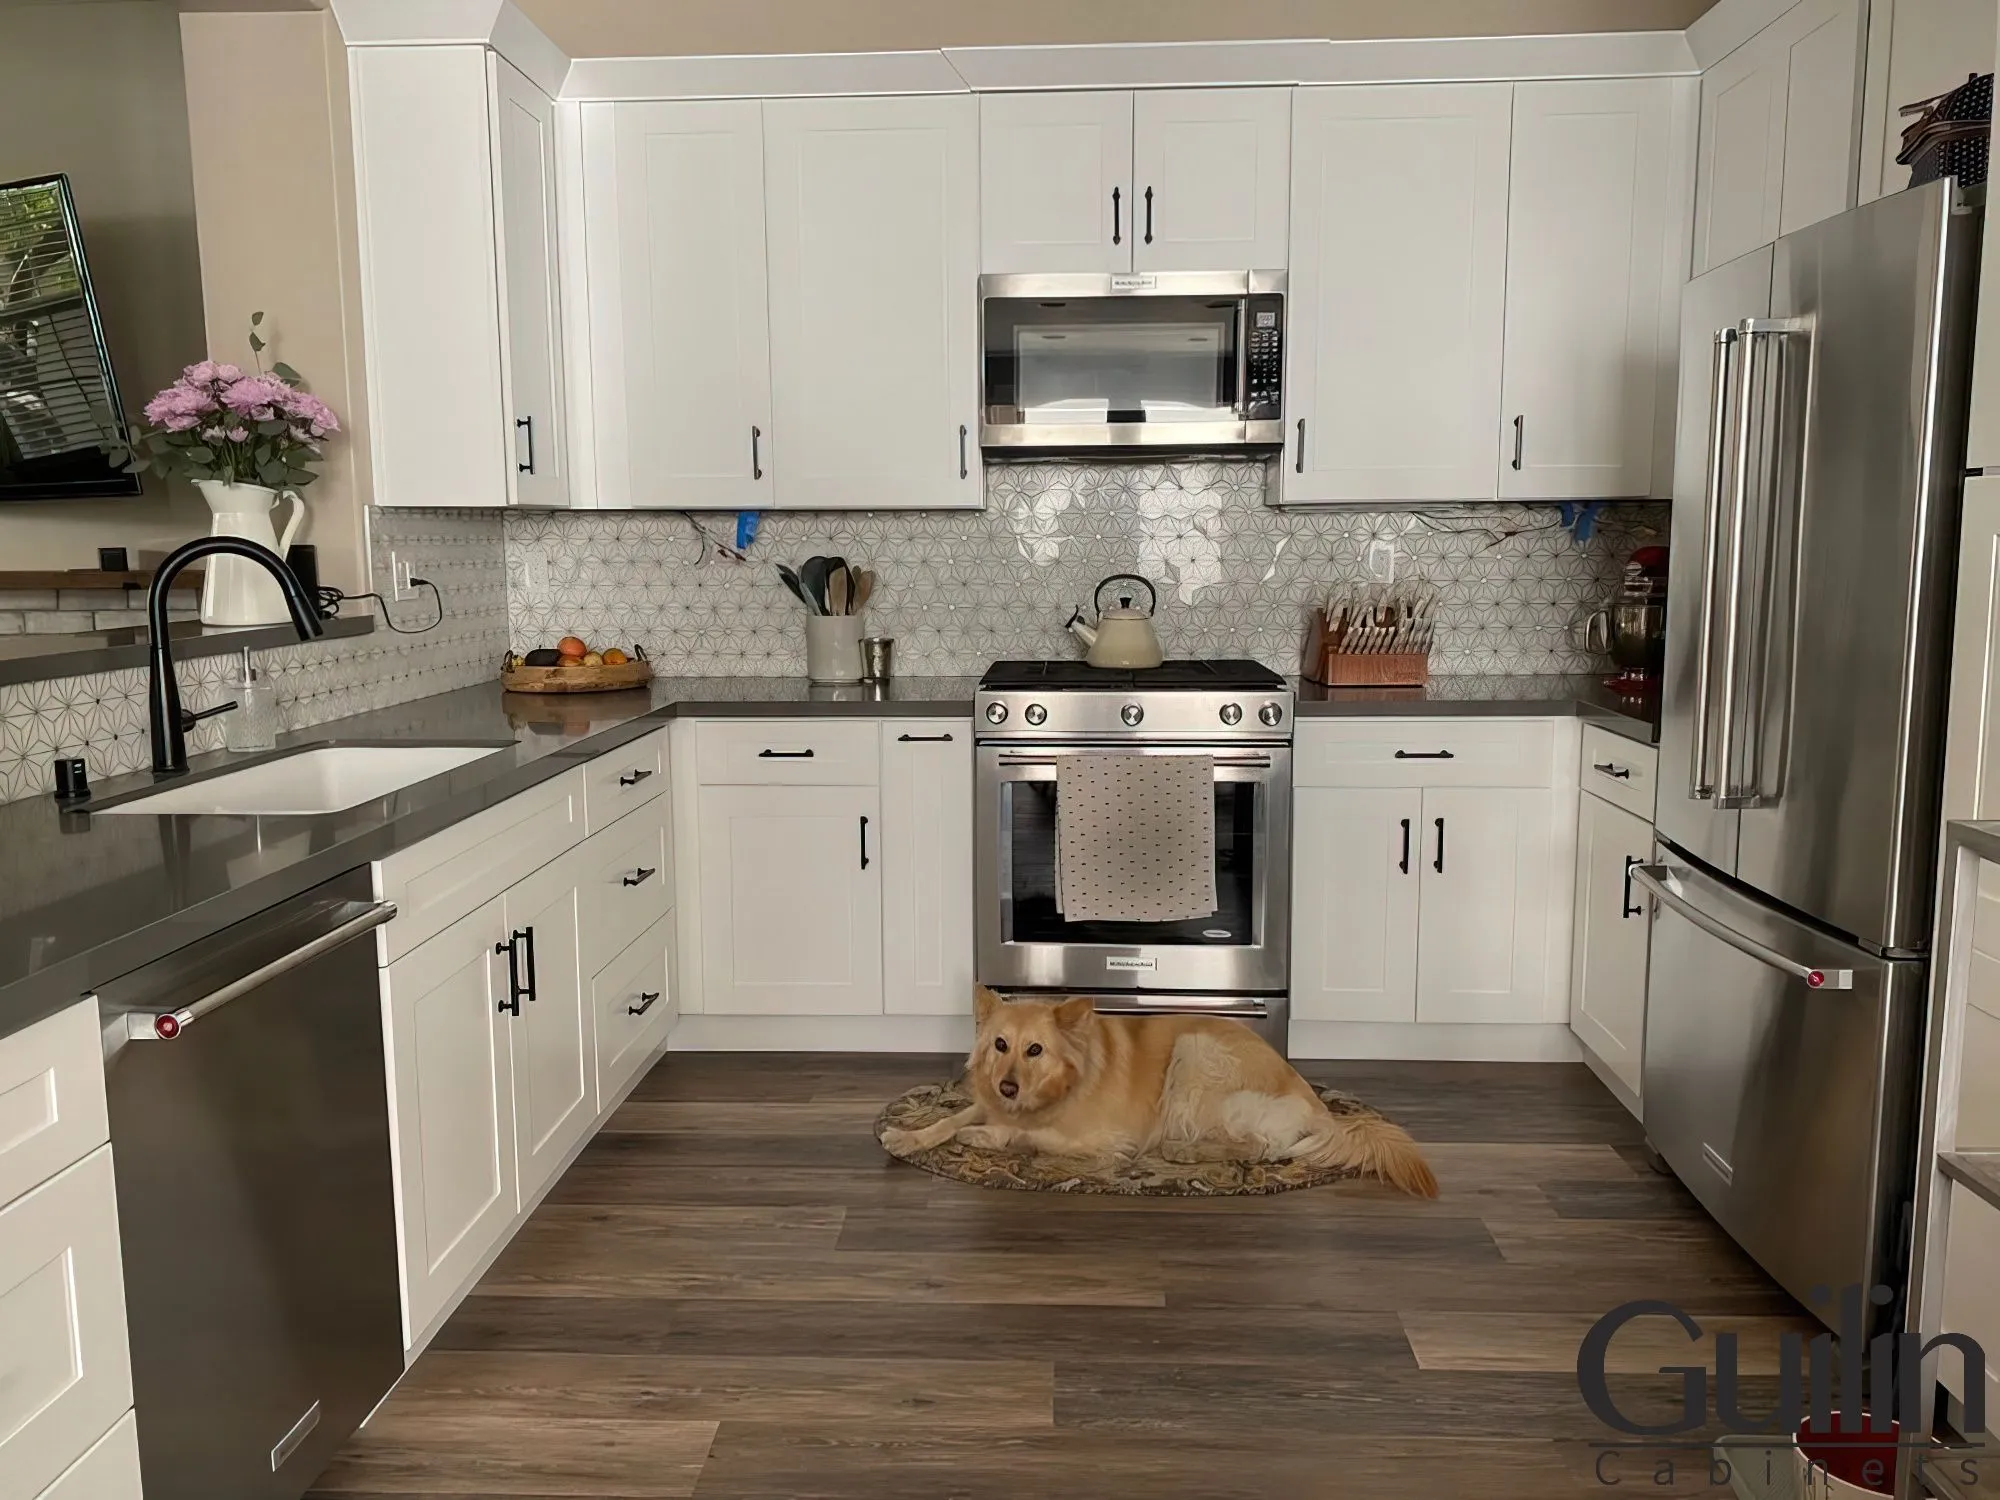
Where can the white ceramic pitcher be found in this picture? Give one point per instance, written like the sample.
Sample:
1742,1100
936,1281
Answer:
234,590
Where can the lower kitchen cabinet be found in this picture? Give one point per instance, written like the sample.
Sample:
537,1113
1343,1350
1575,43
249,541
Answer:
1355,906
791,899
451,1067
109,1471
634,1004
927,866
1608,962
555,1072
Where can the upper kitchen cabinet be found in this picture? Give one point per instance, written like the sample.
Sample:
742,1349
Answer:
1398,285
1587,350
1780,129
455,173
679,328
1055,182
1161,180
873,235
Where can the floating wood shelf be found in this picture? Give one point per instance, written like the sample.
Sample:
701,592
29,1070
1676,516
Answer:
95,578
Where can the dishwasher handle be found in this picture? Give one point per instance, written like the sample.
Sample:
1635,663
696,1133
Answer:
1658,882
164,1026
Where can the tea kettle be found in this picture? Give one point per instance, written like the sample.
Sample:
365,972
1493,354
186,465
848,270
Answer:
1123,635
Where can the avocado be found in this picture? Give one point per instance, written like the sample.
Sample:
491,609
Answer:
545,657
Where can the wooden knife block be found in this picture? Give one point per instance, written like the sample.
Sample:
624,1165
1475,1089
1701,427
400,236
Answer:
1325,663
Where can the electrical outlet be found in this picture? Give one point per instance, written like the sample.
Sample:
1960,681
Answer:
400,571
528,574
1382,558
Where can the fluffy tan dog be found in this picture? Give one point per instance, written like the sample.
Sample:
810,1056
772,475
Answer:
1062,1080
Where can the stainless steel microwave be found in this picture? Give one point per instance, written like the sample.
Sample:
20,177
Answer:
1142,360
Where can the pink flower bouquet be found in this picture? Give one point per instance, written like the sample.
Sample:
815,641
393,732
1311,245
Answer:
237,426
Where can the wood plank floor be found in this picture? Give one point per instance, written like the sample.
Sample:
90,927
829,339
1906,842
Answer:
734,1295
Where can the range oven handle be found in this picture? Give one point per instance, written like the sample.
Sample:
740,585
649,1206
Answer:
1255,762
1658,883
164,1026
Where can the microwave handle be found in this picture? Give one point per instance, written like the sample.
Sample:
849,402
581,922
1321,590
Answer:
1242,359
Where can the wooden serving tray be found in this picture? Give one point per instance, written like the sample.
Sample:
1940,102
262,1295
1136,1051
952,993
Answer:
577,679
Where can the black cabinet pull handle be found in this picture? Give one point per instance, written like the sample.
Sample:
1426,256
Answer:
784,755
1117,235
1149,216
517,940
534,986
1626,908
1425,755
638,877
529,423
1300,466
1520,426
963,471
633,778
1609,769
756,459
864,843
923,739
647,1000
1403,864
1438,864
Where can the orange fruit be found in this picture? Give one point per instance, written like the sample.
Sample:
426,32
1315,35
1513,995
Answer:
571,645
615,658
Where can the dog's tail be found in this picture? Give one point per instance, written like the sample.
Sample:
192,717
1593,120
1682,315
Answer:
1374,1146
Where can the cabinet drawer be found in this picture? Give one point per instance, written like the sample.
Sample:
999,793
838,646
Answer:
436,882
65,1370
636,1005
626,885
620,780
1621,771
1423,752
1971,1301
51,1098
787,752
109,1471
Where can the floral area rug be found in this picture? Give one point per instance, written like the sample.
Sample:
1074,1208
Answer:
931,1102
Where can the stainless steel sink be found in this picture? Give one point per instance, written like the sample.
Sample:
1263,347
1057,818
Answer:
316,779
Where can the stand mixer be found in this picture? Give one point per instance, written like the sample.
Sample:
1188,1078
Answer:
1632,628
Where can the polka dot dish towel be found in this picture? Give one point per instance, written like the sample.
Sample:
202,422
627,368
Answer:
1135,837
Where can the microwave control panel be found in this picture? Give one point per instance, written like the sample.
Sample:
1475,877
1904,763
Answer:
1264,400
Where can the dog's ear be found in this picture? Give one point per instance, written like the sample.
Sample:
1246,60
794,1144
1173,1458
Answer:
1074,1012
985,1005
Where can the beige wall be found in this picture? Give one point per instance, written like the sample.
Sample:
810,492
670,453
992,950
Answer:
640,28
96,91
274,184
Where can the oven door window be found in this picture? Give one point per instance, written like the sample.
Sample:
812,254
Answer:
1110,359
1028,827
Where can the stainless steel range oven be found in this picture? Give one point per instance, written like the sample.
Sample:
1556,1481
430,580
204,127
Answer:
1028,716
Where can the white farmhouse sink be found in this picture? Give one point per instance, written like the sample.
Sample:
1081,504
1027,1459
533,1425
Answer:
327,779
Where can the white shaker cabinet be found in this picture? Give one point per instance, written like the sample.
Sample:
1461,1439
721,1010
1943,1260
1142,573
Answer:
1398,284
109,1471
873,236
555,1053
1055,181
454,163
1585,355
679,323
927,866
1211,179
1482,951
791,899
1608,960
1355,903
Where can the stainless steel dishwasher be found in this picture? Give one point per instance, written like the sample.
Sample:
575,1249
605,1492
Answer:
250,1131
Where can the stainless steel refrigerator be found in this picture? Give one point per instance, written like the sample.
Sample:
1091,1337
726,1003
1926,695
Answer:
1819,458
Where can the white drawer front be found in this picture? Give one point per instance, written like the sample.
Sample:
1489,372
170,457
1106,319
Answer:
51,1098
788,752
1423,752
623,779
109,1471
627,885
65,1369
436,882
1619,770
1971,1302
636,1006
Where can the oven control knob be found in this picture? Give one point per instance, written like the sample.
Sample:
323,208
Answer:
1270,714
996,713
1036,714
1131,713
1232,713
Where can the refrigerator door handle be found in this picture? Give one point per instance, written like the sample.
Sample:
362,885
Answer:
1659,883
1701,779
1739,507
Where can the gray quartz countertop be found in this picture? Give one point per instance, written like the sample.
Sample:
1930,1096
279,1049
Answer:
85,898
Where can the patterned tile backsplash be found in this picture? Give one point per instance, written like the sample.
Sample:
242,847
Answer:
103,716
958,590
